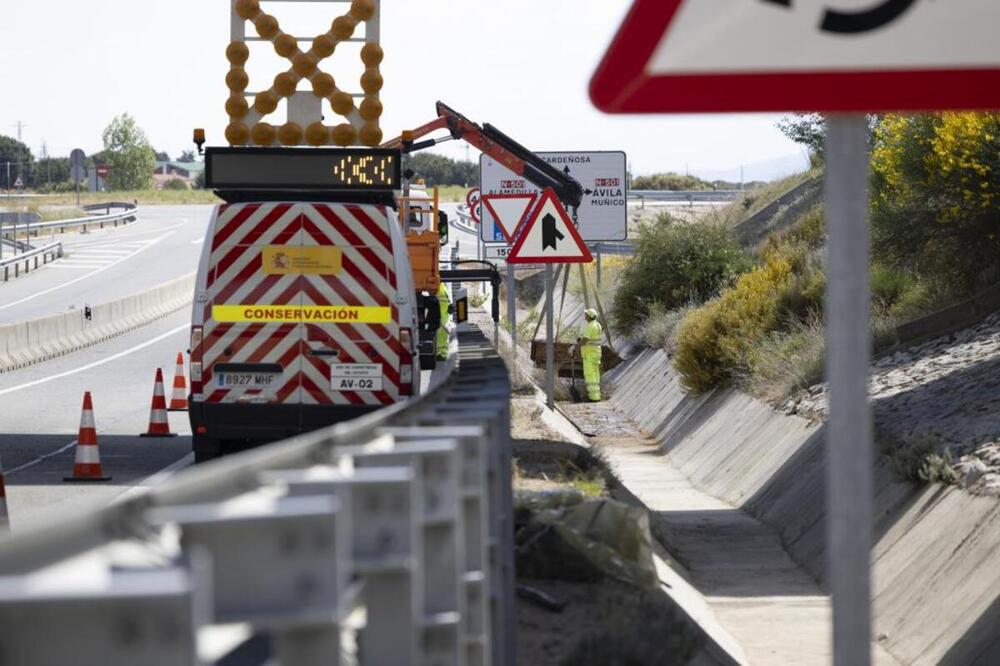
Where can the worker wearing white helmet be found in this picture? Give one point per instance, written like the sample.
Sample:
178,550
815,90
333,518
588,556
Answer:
590,350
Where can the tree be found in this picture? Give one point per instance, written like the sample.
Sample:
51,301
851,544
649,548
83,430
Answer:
162,156
186,157
19,157
806,129
440,170
129,154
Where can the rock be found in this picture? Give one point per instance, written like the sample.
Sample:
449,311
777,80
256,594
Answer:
973,471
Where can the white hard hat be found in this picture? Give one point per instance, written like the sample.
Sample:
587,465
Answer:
590,313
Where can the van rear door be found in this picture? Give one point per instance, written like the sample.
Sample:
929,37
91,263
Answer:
252,340
352,356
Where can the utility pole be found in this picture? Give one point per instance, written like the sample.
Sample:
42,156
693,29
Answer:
20,127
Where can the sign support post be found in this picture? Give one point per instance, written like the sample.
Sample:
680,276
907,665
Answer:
550,344
512,312
849,446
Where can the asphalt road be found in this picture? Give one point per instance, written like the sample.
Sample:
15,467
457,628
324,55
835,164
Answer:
40,415
40,405
107,264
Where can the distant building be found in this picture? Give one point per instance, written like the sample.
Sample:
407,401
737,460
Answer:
186,171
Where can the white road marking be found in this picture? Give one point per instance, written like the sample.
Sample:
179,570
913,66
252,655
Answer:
157,478
82,277
127,352
40,459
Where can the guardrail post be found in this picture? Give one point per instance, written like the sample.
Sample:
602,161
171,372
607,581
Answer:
88,611
474,518
275,564
436,463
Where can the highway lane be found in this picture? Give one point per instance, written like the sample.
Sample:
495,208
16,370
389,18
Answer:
40,416
110,263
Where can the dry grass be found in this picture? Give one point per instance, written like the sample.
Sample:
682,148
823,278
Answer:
149,197
753,201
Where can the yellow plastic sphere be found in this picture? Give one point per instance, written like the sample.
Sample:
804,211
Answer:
304,64
237,79
237,53
371,108
267,26
343,27
363,9
290,134
371,135
237,107
285,45
324,46
344,135
285,84
237,134
323,85
342,103
263,134
317,134
371,55
371,81
266,102
248,9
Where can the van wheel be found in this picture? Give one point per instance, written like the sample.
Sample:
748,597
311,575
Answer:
206,448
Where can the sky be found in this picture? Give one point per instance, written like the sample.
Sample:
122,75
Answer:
522,65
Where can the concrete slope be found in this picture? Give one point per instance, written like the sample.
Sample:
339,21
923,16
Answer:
937,554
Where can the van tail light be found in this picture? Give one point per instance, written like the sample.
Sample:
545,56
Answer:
406,361
195,361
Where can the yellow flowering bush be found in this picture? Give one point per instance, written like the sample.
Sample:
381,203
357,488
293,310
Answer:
936,196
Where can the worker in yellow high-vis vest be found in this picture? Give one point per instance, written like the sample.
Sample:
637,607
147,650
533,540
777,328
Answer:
590,350
444,300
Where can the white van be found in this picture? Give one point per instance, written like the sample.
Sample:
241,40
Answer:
304,316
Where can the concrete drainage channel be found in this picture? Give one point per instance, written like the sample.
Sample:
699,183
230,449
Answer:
389,535
26,343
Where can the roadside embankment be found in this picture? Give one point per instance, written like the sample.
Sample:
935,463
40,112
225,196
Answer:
29,342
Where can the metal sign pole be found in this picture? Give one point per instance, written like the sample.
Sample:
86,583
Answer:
849,434
512,311
550,347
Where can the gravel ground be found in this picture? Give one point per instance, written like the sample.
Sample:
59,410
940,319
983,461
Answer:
946,390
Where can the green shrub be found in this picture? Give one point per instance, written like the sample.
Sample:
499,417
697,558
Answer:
918,460
675,264
175,184
889,286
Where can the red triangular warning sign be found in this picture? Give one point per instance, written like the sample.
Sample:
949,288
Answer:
686,56
549,236
509,210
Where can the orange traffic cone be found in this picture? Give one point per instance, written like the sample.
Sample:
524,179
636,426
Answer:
4,517
88,461
179,399
159,426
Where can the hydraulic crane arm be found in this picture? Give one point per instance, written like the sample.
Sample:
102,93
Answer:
497,145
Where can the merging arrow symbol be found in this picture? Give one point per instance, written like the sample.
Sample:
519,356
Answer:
550,233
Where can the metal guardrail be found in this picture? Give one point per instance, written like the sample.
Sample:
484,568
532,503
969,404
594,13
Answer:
128,214
405,515
46,253
685,196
